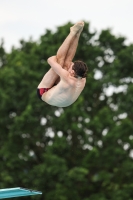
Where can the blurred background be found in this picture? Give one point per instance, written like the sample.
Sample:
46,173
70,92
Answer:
84,151
24,19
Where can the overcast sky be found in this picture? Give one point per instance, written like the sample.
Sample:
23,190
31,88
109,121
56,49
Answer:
20,19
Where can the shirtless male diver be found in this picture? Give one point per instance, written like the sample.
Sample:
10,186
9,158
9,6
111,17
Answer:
71,75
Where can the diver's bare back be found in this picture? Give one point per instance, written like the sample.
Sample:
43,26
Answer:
64,93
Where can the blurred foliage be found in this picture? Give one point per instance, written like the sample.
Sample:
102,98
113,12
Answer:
82,152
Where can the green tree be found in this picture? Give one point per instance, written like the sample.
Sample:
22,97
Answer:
84,151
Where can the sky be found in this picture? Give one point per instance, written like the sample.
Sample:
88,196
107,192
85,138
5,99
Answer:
22,19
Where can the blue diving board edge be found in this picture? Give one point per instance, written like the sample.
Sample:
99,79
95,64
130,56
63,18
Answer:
17,192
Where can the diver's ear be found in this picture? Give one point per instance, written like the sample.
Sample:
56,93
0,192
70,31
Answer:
73,72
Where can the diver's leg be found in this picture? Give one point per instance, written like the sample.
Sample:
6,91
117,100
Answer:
48,79
71,51
67,50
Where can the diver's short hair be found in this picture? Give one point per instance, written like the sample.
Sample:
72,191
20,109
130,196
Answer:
80,68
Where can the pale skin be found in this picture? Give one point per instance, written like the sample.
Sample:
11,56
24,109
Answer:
68,88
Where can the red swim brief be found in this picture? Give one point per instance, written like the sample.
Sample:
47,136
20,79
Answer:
41,91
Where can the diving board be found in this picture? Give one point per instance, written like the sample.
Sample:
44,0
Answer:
17,192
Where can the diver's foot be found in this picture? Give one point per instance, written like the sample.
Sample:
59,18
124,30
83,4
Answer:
77,28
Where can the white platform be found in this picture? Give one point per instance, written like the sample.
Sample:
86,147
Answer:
17,192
